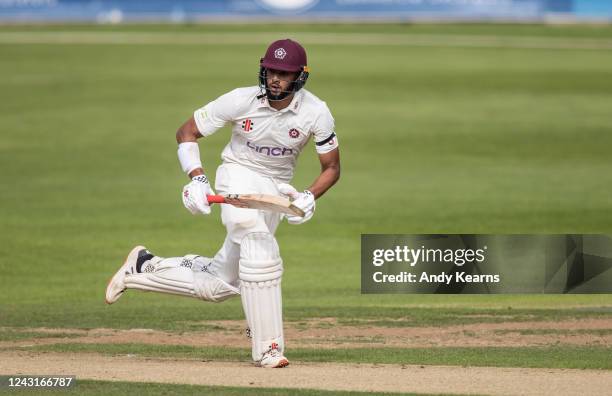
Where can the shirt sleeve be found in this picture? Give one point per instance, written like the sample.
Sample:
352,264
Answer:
217,113
324,133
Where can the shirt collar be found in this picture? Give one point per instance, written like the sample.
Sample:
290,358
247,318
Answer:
294,106
296,103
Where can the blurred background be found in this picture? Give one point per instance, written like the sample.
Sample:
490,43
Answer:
179,11
465,116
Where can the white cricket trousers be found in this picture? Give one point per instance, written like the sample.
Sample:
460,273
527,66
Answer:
236,179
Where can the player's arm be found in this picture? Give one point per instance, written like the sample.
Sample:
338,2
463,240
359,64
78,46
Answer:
204,122
326,143
330,173
189,133
194,193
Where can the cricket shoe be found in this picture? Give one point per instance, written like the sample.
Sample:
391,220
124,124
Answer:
273,358
131,265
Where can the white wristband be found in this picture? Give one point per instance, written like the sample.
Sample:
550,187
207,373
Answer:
189,156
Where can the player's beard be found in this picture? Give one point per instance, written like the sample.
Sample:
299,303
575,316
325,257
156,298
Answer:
281,95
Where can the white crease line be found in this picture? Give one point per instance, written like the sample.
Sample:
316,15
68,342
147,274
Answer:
379,39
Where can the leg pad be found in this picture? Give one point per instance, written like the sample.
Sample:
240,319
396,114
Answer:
184,276
260,270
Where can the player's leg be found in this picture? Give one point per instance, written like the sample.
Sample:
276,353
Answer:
185,276
249,239
225,263
261,269
235,179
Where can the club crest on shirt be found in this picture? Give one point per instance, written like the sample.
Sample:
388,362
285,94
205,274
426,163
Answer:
247,125
294,133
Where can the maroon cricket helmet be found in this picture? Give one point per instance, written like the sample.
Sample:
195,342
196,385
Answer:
285,55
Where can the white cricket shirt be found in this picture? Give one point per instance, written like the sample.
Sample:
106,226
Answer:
264,139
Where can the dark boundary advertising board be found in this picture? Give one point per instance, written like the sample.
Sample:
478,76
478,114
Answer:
485,264
116,11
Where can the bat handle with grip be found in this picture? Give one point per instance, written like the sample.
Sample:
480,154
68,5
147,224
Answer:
215,199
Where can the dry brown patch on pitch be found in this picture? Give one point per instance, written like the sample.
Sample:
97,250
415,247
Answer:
329,333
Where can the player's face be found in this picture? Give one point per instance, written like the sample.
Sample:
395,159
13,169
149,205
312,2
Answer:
279,81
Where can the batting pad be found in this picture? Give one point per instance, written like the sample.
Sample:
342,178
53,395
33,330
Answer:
260,270
183,276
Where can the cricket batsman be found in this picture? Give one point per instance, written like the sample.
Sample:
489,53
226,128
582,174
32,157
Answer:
271,124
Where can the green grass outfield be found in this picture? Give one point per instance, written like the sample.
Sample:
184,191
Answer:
442,128
103,388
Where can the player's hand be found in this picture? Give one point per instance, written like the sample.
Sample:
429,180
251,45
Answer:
303,200
194,195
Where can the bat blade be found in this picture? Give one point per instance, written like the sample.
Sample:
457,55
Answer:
272,203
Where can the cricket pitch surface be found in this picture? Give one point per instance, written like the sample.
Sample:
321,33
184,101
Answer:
325,376
21,356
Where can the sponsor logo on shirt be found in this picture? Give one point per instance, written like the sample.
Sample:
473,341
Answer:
270,151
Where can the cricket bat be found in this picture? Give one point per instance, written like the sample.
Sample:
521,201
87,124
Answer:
272,203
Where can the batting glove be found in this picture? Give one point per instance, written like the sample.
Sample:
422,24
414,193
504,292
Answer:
303,200
194,195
